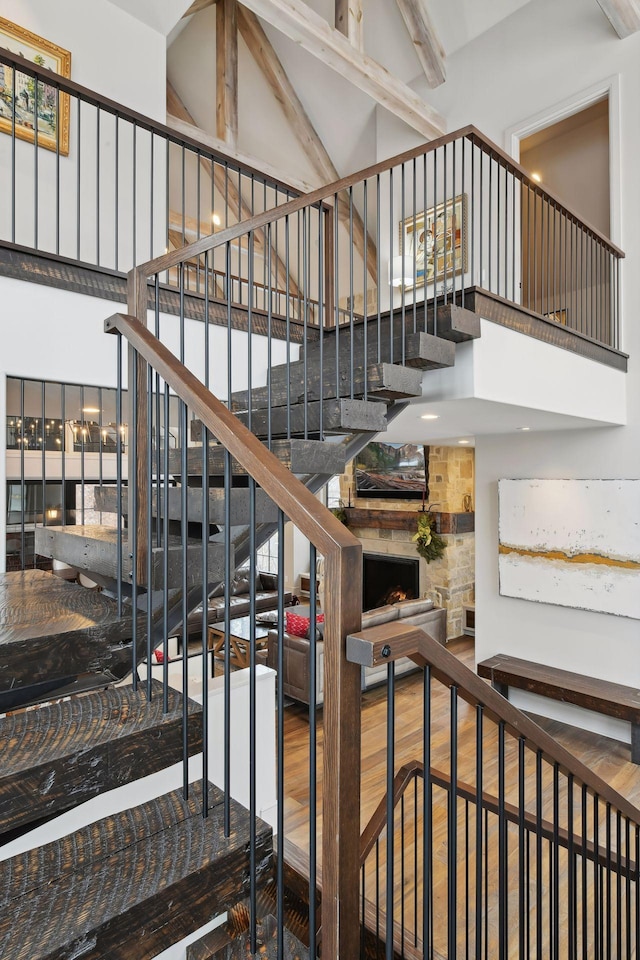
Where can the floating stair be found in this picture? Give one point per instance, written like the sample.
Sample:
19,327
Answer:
131,885
302,457
456,323
63,753
421,350
297,382
51,629
106,500
94,548
339,417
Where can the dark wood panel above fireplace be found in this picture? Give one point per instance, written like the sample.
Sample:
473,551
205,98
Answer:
407,520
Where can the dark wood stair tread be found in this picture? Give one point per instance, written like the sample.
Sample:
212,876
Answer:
301,456
339,417
63,753
106,500
94,548
51,628
131,884
297,382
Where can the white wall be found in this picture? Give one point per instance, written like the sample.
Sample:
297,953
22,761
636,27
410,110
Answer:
542,55
111,52
100,181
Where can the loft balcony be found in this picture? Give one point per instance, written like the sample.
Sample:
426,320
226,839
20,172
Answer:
456,221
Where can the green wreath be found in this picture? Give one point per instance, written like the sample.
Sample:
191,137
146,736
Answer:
429,544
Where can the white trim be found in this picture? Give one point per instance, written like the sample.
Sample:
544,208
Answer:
610,88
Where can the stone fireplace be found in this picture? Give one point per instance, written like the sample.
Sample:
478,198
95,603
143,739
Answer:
386,531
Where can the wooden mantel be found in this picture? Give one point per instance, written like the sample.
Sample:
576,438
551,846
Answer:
408,520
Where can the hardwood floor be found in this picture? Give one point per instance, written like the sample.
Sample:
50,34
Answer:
516,870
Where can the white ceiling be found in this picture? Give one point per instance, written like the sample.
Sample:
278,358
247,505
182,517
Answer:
160,15
470,418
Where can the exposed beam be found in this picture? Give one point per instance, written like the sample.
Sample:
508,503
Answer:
624,16
228,188
267,59
195,132
305,27
197,6
350,23
425,39
227,70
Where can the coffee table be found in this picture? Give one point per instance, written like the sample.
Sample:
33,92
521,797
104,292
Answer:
239,642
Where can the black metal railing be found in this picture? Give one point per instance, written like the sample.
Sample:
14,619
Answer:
449,219
496,842
190,571
87,179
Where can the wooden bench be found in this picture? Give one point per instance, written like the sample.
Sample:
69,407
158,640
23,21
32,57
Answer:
601,696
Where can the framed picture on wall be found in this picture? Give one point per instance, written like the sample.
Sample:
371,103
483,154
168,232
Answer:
26,104
437,237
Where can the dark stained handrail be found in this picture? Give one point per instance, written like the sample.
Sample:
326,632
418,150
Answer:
414,770
450,671
322,194
342,552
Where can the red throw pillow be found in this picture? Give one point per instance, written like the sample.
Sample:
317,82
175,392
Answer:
298,626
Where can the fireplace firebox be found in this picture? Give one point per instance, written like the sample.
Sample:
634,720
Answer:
388,579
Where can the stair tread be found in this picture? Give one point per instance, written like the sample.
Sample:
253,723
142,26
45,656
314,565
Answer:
34,603
94,548
339,417
301,456
51,629
297,382
106,499
63,753
138,881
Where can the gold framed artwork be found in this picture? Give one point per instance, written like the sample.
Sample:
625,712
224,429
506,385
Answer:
39,105
437,237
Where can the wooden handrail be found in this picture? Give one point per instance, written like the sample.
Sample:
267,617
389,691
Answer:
325,193
448,670
343,592
65,85
414,770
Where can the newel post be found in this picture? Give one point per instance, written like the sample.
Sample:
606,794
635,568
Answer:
137,398
342,735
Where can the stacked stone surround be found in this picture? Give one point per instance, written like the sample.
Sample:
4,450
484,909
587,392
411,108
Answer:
450,581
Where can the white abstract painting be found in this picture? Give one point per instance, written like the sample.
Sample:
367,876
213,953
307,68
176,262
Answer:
575,543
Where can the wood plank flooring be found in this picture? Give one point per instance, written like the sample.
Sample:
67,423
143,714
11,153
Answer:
569,887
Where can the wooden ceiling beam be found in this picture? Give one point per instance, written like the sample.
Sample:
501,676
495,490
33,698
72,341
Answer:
227,187
227,71
197,6
267,59
349,21
624,16
425,40
308,29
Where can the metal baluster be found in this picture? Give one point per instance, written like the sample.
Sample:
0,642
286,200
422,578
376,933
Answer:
313,753
390,820
280,737
427,819
479,844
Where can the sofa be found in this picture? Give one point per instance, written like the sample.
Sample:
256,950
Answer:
296,652
266,597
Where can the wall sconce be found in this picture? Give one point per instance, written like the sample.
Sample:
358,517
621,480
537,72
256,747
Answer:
398,270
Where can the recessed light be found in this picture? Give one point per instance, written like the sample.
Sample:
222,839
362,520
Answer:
524,428
536,177
90,410
429,416
464,441
215,219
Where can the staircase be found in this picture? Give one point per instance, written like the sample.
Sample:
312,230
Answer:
136,881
